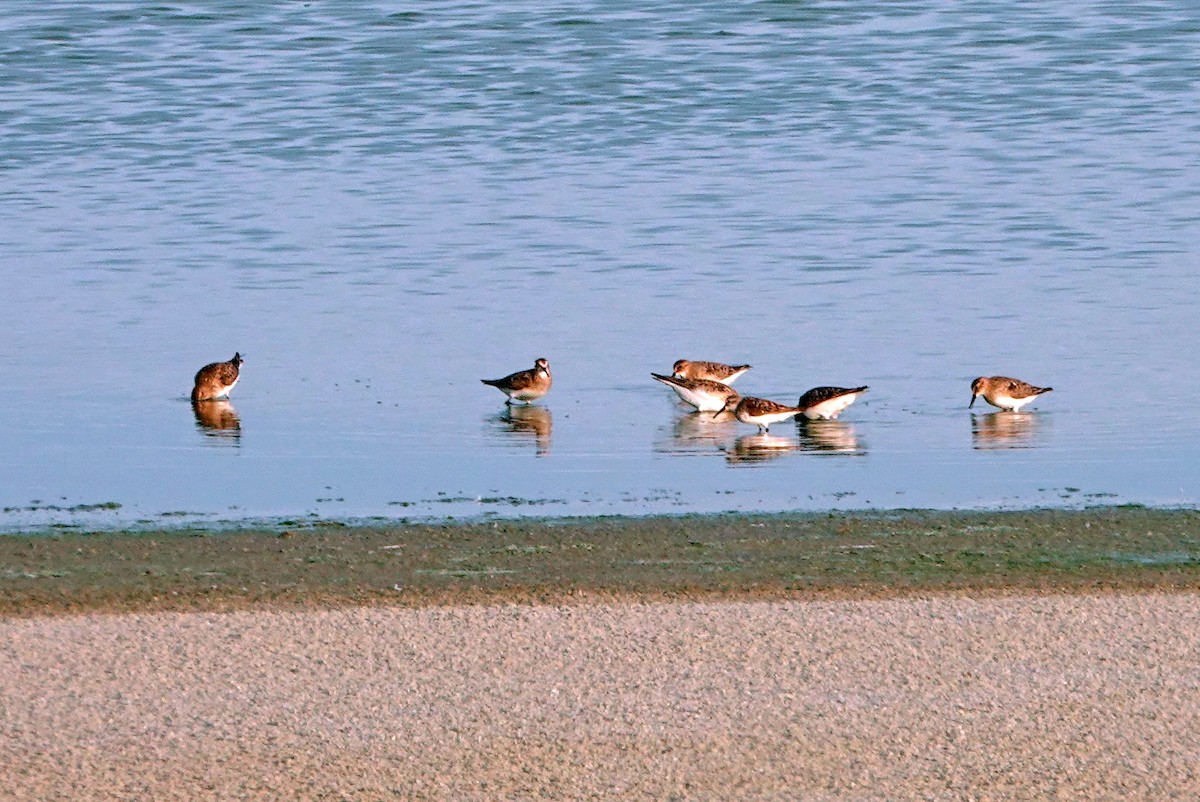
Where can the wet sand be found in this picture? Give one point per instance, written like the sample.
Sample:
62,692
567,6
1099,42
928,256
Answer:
1019,697
1039,655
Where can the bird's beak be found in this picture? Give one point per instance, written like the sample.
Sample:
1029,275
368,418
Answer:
972,401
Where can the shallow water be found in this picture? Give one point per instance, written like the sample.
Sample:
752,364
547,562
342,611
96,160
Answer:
378,208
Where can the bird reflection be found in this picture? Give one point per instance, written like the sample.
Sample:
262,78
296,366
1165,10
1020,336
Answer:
828,436
698,431
218,419
525,420
996,430
752,448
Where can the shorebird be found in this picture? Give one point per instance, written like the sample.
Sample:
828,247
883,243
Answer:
712,371
828,402
759,411
217,380
1005,393
703,394
524,385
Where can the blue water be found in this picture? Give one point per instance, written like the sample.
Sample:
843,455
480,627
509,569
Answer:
377,206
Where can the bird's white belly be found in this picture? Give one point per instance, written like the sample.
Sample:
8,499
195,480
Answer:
702,400
768,419
225,390
830,409
1010,403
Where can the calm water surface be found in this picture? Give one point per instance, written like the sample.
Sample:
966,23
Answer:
379,204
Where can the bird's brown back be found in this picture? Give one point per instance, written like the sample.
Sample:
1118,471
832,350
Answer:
761,406
819,395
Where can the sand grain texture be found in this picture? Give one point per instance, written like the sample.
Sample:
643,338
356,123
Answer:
1037,697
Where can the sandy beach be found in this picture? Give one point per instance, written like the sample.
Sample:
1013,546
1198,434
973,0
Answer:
1085,696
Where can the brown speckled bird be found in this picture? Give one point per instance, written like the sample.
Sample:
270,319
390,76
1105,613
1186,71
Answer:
525,385
705,395
712,371
828,402
1005,393
759,411
217,380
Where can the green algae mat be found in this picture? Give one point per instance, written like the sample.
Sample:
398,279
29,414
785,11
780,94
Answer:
565,561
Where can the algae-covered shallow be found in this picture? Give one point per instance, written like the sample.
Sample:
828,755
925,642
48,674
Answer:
778,556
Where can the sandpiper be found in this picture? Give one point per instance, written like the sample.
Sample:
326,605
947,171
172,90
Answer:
828,402
217,380
1005,393
759,411
524,385
712,371
705,395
